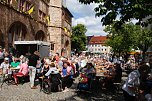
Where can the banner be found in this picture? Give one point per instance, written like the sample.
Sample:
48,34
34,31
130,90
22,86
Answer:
48,19
30,10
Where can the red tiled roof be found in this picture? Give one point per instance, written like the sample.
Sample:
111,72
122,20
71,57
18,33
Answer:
98,40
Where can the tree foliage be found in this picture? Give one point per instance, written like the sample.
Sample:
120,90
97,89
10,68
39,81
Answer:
78,38
129,37
125,10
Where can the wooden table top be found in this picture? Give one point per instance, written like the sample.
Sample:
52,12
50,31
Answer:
14,68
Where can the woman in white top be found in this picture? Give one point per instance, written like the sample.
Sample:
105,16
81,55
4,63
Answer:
133,81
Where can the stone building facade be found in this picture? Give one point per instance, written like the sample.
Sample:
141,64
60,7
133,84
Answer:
27,20
60,27
16,24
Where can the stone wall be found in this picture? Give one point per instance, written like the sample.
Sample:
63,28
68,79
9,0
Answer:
9,16
56,27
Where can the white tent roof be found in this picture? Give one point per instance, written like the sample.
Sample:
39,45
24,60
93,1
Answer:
31,42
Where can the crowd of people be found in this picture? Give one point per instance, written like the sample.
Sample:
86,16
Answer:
62,71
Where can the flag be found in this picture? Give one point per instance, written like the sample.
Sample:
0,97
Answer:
48,19
65,29
30,10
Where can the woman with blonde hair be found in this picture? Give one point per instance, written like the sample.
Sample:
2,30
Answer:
23,70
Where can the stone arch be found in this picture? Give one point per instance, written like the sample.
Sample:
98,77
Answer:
17,32
40,36
64,51
67,43
2,41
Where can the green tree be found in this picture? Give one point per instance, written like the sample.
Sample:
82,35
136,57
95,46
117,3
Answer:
144,40
129,37
78,39
125,10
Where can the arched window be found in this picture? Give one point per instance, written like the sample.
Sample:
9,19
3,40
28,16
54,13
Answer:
67,43
1,39
40,36
17,32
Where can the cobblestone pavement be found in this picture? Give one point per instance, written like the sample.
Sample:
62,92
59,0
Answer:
24,93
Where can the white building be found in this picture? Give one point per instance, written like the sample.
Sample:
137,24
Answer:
97,45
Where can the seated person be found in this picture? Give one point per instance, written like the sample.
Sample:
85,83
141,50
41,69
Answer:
52,70
23,70
15,63
44,70
5,67
89,70
54,77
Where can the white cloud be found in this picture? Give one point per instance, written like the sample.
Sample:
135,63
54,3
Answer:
88,21
84,14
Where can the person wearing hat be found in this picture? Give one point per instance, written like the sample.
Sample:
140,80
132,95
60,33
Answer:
5,66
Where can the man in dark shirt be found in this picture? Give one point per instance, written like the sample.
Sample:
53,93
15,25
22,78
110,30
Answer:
33,58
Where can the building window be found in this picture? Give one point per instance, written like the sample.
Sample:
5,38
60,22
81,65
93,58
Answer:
28,5
42,11
102,49
42,16
21,5
62,39
52,46
98,49
9,2
105,49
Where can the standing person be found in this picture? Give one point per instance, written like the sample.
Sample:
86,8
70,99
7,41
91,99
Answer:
33,59
66,76
133,81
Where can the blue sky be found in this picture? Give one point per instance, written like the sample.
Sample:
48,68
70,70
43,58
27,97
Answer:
84,14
